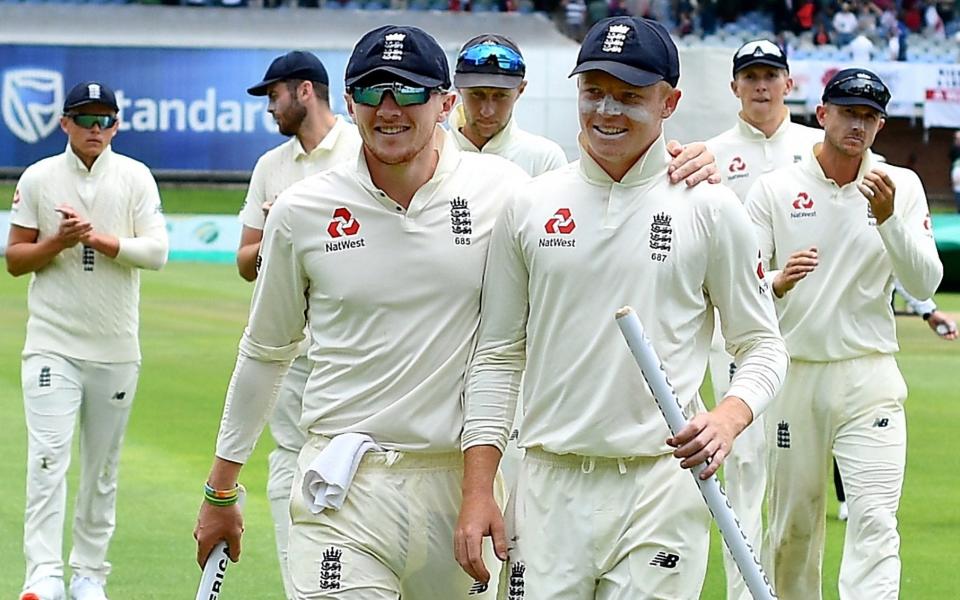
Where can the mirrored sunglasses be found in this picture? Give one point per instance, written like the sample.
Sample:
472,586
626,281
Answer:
506,58
403,95
88,121
859,87
765,47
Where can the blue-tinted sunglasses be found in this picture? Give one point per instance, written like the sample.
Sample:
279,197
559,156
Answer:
403,95
88,121
506,58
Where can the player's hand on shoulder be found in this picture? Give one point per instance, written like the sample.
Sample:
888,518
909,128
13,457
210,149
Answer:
692,163
709,436
879,190
214,524
798,266
480,516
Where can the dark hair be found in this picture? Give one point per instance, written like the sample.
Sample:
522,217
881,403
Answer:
320,90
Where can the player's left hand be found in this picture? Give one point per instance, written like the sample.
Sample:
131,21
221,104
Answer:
692,163
709,436
879,191
942,325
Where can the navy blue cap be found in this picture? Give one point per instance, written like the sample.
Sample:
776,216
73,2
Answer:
759,52
292,65
857,87
399,52
633,49
90,92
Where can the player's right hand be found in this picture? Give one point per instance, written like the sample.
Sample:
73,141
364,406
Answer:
480,516
799,265
216,523
72,228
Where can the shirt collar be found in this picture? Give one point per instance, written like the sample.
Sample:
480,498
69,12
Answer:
812,165
652,164
752,133
327,144
98,165
493,145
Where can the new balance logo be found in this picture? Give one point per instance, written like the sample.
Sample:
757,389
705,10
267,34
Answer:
330,569
881,422
477,588
44,377
88,258
665,560
783,434
119,395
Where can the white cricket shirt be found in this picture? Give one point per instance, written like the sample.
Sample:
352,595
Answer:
532,153
842,309
83,304
743,153
288,163
571,248
392,298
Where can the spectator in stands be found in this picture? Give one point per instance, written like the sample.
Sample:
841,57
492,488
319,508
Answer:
933,24
911,16
821,36
707,10
575,12
597,10
844,25
867,19
860,49
955,168
803,17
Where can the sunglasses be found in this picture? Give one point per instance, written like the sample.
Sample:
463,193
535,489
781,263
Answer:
88,121
765,47
858,87
506,58
403,95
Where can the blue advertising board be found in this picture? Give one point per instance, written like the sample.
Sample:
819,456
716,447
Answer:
181,108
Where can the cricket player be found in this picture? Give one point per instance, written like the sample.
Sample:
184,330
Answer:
602,509
383,260
763,139
835,229
297,87
489,77
84,223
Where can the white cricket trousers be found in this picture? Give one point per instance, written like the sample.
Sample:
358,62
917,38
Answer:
744,470
392,538
56,391
853,410
589,528
282,462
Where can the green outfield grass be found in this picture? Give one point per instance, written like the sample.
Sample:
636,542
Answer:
179,199
192,318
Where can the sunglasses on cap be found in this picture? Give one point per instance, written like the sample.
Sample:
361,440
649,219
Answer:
506,58
88,121
765,47
858,86
403,94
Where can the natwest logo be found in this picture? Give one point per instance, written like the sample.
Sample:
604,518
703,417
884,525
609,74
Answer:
561,222
803,201
737,164
343,223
